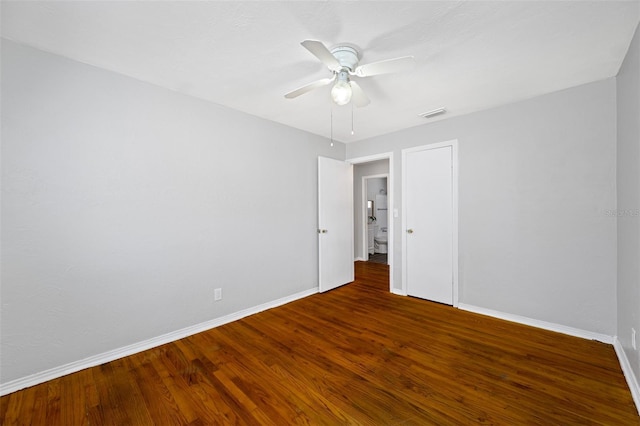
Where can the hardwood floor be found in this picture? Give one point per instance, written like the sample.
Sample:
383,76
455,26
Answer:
354,355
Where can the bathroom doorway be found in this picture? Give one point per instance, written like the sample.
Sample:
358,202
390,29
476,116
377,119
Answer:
376,221
379,166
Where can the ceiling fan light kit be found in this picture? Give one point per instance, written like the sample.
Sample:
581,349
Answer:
341,91
343,61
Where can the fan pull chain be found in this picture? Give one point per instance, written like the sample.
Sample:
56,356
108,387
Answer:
331,115
352,132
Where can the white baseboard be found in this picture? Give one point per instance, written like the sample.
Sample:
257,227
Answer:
604,338
360,259
632,381
92,361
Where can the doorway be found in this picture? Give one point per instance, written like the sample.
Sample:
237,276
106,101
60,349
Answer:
375,222
370,167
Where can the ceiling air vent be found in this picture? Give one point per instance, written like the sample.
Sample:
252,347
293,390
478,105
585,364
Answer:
432,113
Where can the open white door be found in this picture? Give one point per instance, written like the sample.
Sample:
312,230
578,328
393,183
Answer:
335,223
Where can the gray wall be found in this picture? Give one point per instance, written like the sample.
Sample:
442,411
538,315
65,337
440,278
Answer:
359,170
628,209
536,180
124,205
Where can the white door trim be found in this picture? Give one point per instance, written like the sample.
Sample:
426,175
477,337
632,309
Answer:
390,206
454,152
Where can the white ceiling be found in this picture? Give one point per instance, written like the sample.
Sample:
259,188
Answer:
470,55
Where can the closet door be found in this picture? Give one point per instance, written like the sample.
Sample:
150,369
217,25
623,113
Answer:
429,224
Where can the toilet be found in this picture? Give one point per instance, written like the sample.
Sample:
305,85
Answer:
380,240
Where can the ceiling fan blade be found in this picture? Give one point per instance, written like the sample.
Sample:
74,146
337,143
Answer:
321,52
385,67
359,98
309,87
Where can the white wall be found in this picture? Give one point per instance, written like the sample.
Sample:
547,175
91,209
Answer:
628,209
374,185
378,167
536,178
124,205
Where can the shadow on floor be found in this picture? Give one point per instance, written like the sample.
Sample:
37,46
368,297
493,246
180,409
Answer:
378,258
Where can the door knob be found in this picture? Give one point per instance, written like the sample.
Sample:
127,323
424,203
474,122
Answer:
409,231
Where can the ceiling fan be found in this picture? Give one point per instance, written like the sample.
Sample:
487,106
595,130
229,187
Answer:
342,61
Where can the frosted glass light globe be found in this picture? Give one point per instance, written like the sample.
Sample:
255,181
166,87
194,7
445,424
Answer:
341,93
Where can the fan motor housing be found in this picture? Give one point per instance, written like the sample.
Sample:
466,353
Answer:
348,56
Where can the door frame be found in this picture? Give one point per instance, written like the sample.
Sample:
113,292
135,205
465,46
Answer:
454,176
365,224
390,205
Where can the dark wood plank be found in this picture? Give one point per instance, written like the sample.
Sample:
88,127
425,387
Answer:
354,355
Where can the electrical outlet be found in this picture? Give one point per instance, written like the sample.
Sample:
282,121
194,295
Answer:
633,339
217,294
